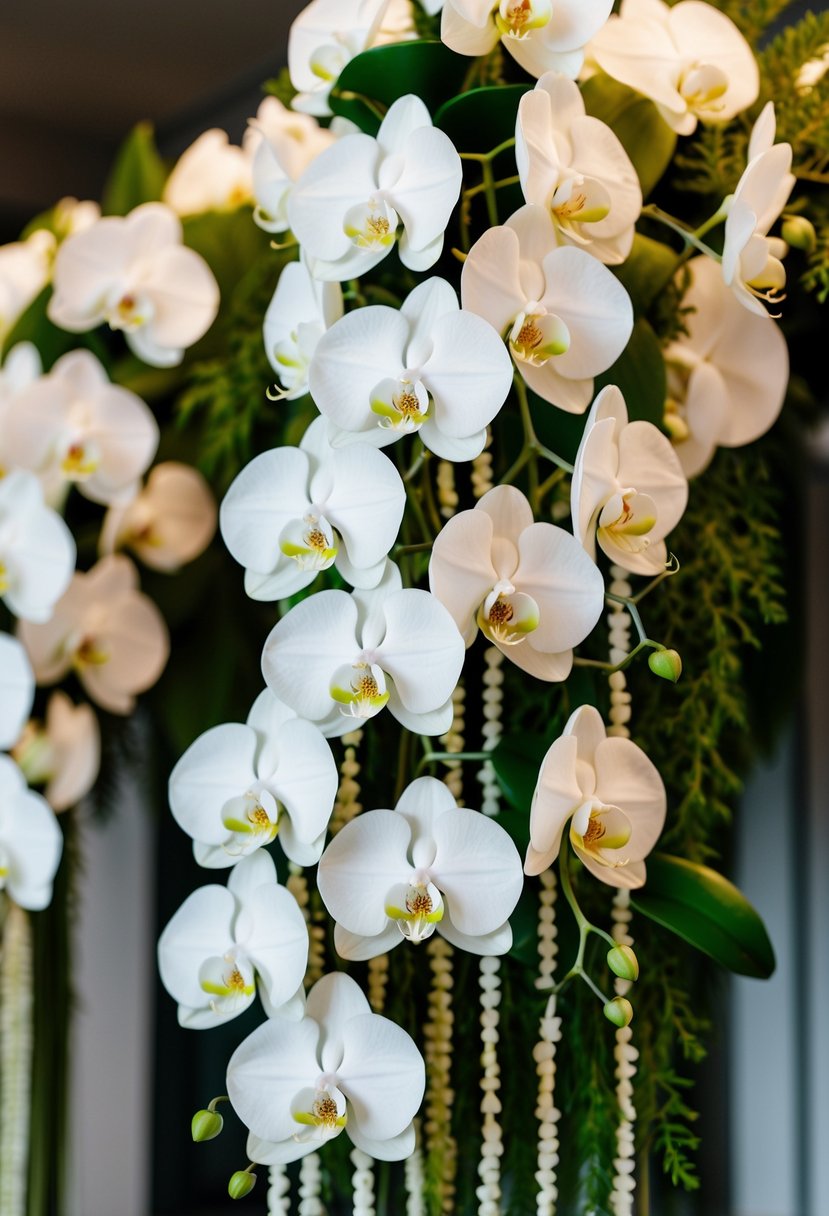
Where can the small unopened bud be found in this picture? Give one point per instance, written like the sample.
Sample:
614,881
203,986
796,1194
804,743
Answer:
241,1184
800,233
666,664
623,962
206,1125
619,1011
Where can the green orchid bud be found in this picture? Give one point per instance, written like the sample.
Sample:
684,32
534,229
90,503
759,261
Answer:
241,1184
619,1011
623,962
666,664
800,233
206,1125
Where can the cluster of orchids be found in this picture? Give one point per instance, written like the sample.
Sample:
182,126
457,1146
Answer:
400,366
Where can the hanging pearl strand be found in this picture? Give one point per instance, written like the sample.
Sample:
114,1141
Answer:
279,1198
492,1149
378,978
544,1053
437,1032
310,1186
447,494
493,727
16,1047
625,1054
453,741
297,884
482,481
348,803
363,1182
415,1182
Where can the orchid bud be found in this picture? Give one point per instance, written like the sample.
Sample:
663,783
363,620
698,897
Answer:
666,664
619,1011
241,1184
800,233
623,962
206,1125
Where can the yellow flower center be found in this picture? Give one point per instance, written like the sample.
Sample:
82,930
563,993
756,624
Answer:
88,655
325,1112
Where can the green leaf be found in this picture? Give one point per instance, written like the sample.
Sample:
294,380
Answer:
231,243
482,118
649,268
707,911
33,325
373,80
640,373
637,124
516,761
138,175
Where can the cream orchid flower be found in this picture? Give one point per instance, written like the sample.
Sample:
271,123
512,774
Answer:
73,427
297,1085
381,373
292,512
239,786
211,175
727,375
301,311
169,522
17,690
37,550
347,207
690,59
223,939
573,165
134,274
427,865
72,215
63,754
31,842
107,632
565,316
323,39
25,268
529,587
751,263
611,795
284,144
542,35
338,659
628,490
398,23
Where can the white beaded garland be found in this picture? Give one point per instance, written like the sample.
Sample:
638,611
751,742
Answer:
378,978
493,728
348,803
447,494
363,1182
492,1147
297,884
16,1048
437,1033
414,1179
279,1187
544,1052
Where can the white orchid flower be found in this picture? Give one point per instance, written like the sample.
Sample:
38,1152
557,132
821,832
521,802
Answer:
222,939
31,842
398,23
381,373
727,375
297,1085
37,550
107,632
211,175
283,145
74,215
63,753
338,659
301,310
239,786
573,164
565,316
21,368
169,522
25,267
612,796
292,512
628,490
326,36
427,865
751,264
542,35
347,207
73,427
529,587
17,690
133,273
690,59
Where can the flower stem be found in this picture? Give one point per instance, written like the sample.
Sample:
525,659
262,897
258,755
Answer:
632,609
487,157
610,668
585,926
450,757
691,238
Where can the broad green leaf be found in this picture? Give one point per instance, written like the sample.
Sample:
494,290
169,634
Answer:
649,268
33,325
373,80
709,912
231,244
482,118
640,373
636,122
138,175
516,761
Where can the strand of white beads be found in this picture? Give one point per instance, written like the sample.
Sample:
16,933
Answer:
378,978
16,1047
414,1179
544,1054
363,1182
493,727
348,794
492,1148
279,1187
453,741
437,1033
310,1186
482,480
297,884
447,494
625,1054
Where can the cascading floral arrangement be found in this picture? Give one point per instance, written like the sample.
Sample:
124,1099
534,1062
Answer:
496,369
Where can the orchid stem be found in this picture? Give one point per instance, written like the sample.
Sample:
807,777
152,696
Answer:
585,926
487,157
473,191
489,189
632,609
451,757
671,569
690,238
610,668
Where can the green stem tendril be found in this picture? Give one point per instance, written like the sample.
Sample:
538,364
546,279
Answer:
585,926
692,238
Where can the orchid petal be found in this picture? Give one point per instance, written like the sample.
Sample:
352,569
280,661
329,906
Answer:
305,648
342,177
359,867
277,944
461,572
269,492
477,868
567,586
556,796
392,1148
362,349
382,1075
200,929
498,942
333,1002
305,778
624,769
356,948
366,503
17,689
422,649
267,1070
218,766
